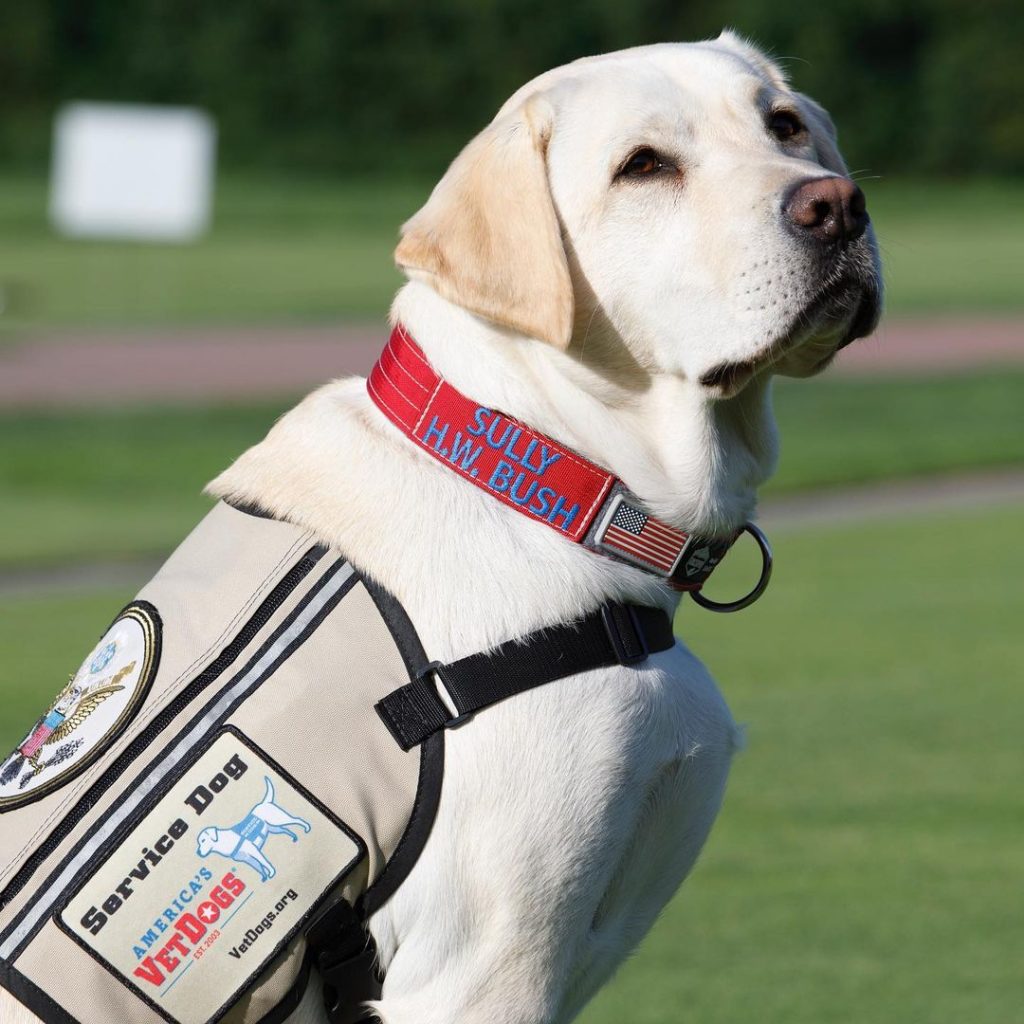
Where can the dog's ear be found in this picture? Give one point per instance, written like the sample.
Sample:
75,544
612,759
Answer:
489,239
823,132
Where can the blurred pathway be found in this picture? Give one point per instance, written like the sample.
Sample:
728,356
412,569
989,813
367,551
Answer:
815,510
200,365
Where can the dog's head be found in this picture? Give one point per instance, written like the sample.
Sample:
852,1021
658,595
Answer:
205,841
679,200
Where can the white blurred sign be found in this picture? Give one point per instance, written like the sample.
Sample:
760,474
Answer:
125,171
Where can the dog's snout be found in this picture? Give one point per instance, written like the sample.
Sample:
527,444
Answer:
829,209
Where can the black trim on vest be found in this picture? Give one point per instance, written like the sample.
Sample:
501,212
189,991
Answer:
428,789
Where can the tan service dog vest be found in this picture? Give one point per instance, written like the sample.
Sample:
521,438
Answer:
168,826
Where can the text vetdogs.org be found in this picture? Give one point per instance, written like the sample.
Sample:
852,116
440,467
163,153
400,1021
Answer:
252,935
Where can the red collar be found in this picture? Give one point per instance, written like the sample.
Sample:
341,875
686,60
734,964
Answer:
532,473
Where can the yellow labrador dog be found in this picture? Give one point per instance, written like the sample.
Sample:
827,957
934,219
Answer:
622,259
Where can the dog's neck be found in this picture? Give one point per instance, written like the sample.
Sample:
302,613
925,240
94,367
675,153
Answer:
335,466
696,462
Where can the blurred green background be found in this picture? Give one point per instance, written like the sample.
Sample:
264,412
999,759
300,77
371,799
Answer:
379,86
867,863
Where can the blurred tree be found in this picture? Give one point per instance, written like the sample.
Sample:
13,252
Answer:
384,86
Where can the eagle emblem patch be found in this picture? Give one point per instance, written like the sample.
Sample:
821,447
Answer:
99,699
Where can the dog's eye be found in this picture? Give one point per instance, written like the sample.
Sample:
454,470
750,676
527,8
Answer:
642,163
784,124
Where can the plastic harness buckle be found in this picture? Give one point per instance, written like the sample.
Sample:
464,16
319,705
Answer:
346,960
625,633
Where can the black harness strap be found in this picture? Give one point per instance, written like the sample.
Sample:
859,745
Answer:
616,634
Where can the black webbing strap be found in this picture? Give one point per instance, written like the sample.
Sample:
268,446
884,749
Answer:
616,634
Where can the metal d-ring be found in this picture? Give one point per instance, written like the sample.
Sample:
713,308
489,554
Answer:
759,588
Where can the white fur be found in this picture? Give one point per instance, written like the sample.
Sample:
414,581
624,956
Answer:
570,814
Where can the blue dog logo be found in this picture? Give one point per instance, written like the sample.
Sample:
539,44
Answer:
244,841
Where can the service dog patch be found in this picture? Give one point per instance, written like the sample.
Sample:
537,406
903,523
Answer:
98,701
211,883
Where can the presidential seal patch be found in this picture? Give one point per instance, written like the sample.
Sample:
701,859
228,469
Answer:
98,701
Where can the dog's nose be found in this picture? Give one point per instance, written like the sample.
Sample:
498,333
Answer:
829,209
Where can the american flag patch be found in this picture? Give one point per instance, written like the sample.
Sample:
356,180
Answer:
640,537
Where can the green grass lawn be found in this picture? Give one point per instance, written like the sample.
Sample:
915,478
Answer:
866,868
301,250
287,251
80,486
867,864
